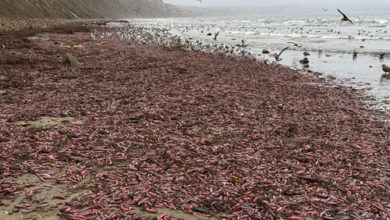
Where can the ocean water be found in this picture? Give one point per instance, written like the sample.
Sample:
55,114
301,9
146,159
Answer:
330,43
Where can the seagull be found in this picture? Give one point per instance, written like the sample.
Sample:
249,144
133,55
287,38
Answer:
3,46
386,68
272,29
345,18
295,44
243,43
265,51
216,35
277,56
354,54
385,77
93,37
266,60
304,61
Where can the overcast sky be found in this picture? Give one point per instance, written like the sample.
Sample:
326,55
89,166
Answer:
353,4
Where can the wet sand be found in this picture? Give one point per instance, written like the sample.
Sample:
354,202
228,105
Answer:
165,129
331,44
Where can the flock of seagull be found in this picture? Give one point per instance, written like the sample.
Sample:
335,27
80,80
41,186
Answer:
161,37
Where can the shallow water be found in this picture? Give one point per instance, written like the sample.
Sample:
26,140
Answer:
331,43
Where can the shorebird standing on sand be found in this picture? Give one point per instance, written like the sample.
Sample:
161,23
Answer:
386,75
243,43
345,18
386,68
266,60
354,54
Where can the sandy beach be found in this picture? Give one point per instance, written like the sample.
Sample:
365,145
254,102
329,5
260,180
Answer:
105,129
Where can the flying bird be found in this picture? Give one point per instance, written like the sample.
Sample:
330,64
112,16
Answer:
216,35
295,44
345,18
272,29
277,56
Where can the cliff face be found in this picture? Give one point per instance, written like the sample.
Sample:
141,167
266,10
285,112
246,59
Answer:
85,8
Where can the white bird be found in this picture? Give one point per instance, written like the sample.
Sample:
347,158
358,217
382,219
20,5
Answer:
93,37
266,60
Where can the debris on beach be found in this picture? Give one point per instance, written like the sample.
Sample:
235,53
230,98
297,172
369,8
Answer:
71,60
170,133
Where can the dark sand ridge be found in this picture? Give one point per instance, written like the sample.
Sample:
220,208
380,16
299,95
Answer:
8,24
71,9
180,130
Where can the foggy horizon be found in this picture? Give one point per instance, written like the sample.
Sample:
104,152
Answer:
345,4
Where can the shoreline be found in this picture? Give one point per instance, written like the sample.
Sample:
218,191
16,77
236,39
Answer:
148,35
138,126
361,71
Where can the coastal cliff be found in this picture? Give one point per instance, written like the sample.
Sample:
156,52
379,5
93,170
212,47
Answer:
85,8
